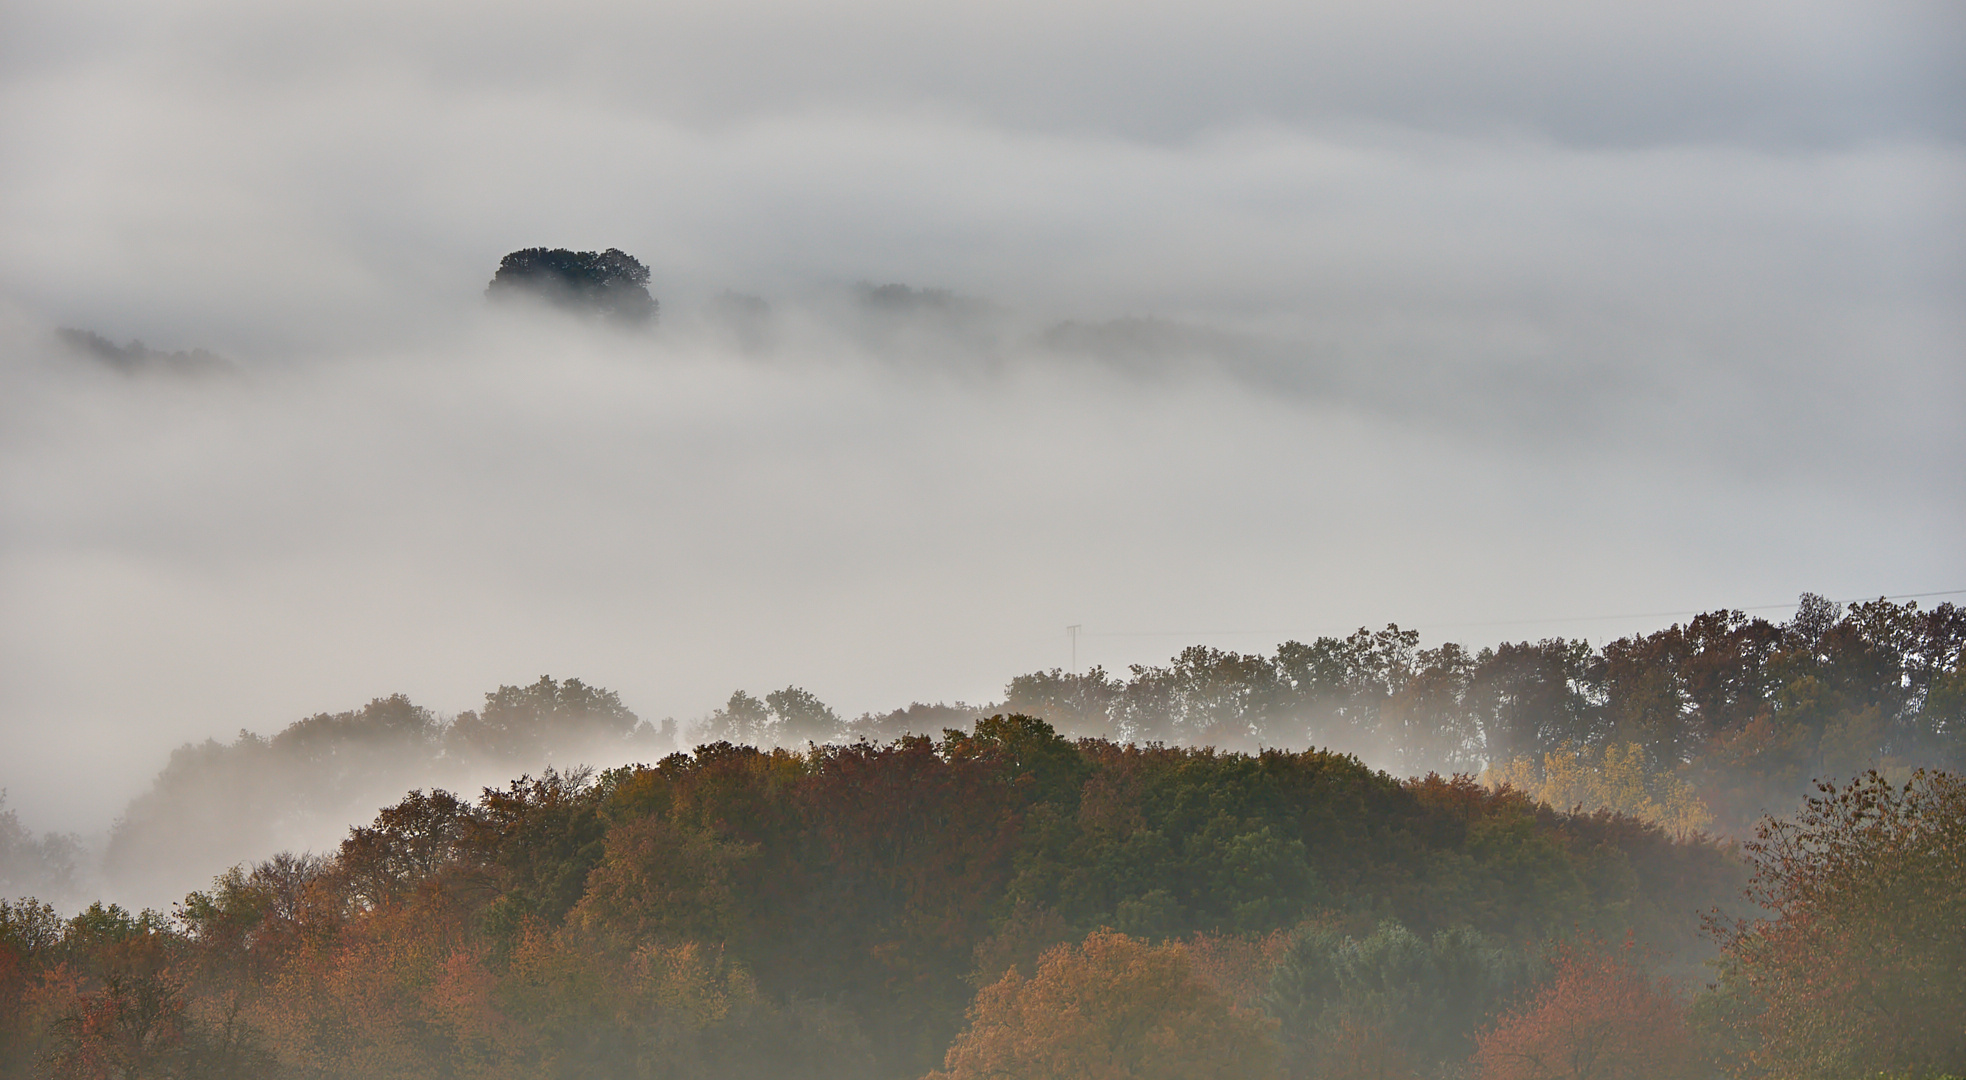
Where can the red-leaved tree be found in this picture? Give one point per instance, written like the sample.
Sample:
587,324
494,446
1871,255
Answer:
1599,1018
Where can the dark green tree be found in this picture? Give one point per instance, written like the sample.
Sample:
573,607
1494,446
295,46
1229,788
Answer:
612,283
1412,1002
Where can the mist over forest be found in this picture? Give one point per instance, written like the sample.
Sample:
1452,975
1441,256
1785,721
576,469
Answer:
901,421
921,541
880,493
1728,847
1704,728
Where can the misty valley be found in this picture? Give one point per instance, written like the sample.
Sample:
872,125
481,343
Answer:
1731,847
772,540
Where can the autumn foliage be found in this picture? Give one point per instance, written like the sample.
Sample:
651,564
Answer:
1858,965
999,898
1004,901
1706,725
1599,1017
1113,1008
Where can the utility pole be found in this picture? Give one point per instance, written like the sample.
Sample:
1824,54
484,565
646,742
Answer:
1073,632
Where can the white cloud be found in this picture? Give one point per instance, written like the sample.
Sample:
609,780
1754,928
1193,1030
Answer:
1467,314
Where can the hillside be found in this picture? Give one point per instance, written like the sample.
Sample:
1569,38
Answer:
1099,870
832,913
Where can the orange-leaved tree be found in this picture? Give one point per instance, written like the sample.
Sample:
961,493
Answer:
1599,1017
1860,966
1113,1008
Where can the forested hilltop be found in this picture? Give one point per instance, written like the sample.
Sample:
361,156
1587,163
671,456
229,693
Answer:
1155,897
1005,902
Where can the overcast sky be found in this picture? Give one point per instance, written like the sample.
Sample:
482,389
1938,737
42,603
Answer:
1479,318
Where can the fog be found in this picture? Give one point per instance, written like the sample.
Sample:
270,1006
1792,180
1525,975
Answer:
1264,322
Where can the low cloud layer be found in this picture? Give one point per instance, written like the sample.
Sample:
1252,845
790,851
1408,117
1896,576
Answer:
1276,323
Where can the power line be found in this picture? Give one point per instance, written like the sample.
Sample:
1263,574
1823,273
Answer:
1673,614
1509,622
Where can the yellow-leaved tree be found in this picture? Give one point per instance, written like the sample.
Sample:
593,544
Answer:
1618,778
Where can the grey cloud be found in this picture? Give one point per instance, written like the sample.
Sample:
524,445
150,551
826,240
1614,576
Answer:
1799,73
1262,317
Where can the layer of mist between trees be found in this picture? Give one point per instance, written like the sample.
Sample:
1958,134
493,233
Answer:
1699,728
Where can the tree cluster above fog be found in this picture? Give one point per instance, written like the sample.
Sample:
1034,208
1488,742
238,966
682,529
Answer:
611,283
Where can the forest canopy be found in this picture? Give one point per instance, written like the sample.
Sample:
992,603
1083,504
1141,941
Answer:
1702,727
1006,902
1728,847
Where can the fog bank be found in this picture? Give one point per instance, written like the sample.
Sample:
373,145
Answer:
1264,324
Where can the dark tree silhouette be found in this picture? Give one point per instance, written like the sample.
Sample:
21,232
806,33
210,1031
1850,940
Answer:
136,358
612,283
